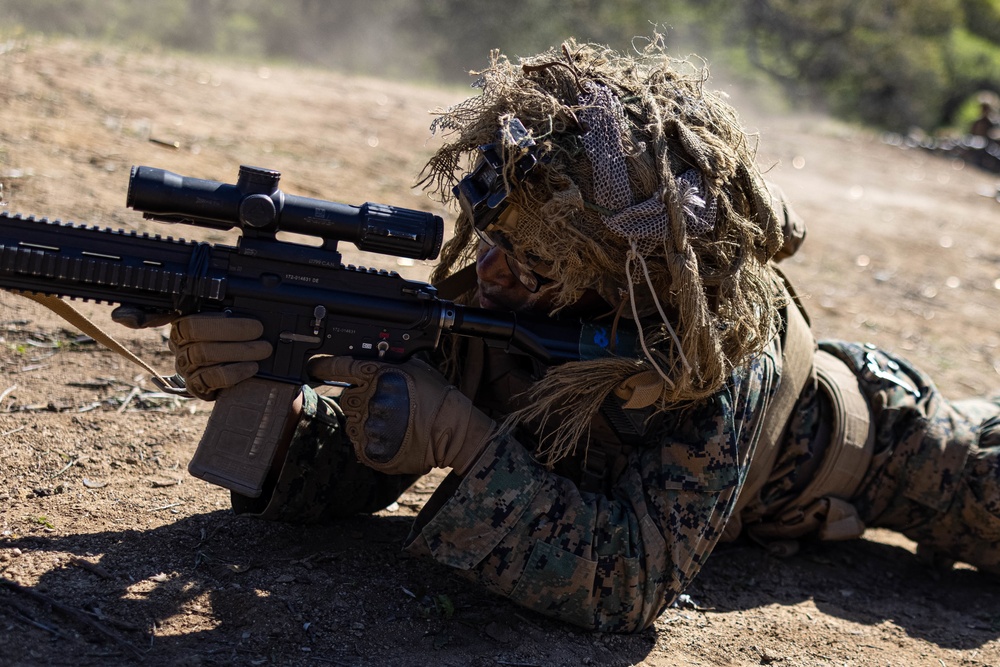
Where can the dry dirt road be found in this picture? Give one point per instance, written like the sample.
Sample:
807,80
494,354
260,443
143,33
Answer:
111,554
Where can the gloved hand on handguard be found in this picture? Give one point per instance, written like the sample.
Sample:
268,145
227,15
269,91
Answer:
213,352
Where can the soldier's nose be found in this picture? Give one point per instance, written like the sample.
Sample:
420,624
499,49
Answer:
491,266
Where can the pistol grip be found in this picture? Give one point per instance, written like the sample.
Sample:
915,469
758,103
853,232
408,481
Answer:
246,426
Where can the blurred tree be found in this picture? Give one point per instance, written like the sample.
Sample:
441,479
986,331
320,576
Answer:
982,18
893,63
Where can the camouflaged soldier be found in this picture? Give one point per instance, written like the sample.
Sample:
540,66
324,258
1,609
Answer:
614,187
988,121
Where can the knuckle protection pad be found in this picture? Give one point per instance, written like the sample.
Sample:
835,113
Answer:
353,402
187,361
197,387
212,377
195,354
367,367
388,418
178,332
183,363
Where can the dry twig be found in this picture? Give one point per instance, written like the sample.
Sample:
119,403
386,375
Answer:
68,466
71,612
92,567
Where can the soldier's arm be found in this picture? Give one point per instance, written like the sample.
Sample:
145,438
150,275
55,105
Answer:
607,563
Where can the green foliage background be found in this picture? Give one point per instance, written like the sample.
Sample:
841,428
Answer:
890,63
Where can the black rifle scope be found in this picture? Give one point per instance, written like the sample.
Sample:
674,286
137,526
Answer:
259,208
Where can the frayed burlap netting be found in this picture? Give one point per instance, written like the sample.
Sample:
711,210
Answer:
647,192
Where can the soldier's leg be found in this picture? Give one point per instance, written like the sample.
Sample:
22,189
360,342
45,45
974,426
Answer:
320,478
935,476
969,530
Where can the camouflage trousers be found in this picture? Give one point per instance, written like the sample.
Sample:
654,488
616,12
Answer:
935,475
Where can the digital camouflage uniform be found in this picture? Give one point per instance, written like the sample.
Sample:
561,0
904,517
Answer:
607,561
935,476
613,560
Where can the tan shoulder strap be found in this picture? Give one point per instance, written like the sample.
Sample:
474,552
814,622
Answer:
822,508
66,311
853,435
797,349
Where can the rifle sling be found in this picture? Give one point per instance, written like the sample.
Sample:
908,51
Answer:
66,311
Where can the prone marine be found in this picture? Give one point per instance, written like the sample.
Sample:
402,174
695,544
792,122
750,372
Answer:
615,188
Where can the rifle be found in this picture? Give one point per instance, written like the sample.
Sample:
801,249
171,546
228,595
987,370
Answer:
308,302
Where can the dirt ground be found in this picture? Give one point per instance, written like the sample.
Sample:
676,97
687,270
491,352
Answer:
110,553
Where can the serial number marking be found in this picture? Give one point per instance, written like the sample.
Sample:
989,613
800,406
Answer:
301,279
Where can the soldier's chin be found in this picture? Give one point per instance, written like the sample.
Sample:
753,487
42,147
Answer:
501,301
490,304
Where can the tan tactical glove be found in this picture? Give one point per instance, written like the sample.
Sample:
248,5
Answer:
406,418
135,317
213,352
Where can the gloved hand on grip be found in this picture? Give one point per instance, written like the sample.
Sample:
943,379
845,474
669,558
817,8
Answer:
406,418
214,352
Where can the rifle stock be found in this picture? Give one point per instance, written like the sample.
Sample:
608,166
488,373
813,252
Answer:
308,302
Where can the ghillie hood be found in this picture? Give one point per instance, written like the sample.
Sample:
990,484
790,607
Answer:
646,191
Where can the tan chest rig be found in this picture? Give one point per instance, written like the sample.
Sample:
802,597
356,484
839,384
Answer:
497,382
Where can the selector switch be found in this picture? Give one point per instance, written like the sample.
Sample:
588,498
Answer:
319,314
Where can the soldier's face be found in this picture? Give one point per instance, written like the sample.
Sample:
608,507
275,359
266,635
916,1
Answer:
501,289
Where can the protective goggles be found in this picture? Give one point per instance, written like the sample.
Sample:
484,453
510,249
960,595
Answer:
527,272
483,196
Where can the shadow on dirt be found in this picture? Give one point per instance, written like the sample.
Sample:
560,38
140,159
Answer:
862,581
346,595
275,594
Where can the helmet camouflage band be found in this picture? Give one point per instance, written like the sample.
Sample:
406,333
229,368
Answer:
643,187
